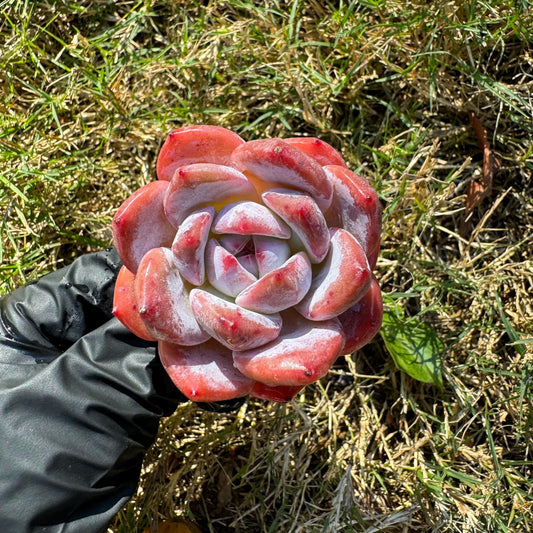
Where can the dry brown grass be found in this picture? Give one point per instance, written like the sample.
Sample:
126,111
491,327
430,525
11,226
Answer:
89,91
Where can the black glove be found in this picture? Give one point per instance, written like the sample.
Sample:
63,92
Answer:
80,401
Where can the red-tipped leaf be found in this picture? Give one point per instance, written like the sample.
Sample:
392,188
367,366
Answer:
281,393
342,280
304,217
319,150
189,245
233,326
250,218
204,373
224,271
279,289
195,144
163,300
140,224
201,184
302,354
355,208
125,306
362,321
279,163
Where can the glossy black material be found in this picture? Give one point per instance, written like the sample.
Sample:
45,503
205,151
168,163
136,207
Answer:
80,401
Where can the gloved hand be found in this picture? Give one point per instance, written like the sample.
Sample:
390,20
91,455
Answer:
80,401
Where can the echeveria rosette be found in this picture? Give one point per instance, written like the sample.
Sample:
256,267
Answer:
249,262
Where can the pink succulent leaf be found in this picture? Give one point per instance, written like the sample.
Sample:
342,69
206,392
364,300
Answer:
196,144
363,320
280,164
189,245
204,373
233,326
303,353
200,184
343,279
355,208
125,306
250,218
224,272
319,150
304,217
270,253
281,393
249,262
281,288
140,224
163,301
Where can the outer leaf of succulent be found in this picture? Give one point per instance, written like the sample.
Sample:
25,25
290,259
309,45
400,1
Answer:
249,262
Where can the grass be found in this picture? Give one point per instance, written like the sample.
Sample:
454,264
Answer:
89,91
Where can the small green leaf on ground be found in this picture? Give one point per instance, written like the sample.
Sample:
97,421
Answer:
513,335
414,347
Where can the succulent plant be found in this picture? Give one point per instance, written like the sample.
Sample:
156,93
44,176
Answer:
250,263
